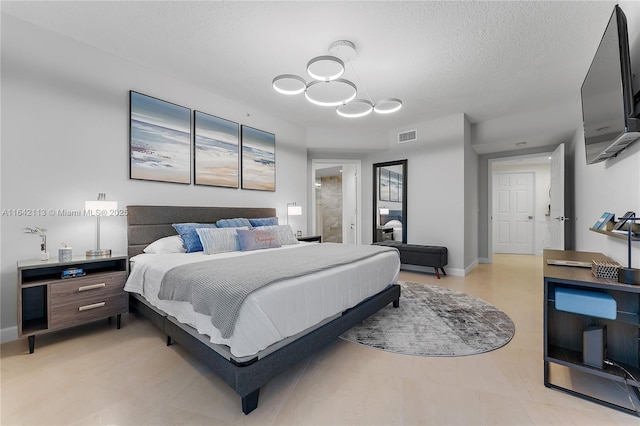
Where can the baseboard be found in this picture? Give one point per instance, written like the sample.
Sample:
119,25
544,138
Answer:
430,270
484,260
470,267
9,334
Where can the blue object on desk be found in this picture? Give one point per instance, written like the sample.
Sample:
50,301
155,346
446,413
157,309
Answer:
583,302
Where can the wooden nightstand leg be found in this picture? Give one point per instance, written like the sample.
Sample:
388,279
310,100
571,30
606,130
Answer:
32,344
118,321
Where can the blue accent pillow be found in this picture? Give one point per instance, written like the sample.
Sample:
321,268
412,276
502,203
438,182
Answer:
256,239
190,236
264,221
233,223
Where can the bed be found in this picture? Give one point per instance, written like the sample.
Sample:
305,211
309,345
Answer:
393,220
248,362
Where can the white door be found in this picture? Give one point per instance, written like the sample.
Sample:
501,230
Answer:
556,224
349,205
513,209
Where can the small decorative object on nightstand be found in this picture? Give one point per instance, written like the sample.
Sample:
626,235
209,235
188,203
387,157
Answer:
311,238
44,255
49,299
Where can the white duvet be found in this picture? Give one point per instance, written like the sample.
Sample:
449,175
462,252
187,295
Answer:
273,312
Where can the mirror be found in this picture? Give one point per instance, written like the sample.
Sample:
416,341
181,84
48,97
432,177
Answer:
390,201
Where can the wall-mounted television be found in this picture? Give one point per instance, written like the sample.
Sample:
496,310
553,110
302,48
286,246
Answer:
609,115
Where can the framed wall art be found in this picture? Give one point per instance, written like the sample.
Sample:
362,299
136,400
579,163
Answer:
383,187
258,159
217,145
393,186
159,140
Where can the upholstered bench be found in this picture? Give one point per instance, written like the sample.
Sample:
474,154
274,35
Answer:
417,254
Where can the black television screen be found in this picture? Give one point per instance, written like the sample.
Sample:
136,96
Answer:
607,95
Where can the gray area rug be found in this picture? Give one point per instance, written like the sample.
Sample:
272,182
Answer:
435,321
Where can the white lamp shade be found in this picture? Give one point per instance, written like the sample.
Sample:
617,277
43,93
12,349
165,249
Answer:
100,207
294,210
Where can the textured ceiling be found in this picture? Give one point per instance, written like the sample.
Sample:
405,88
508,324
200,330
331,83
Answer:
496,62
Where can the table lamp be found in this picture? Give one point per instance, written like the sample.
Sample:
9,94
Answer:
100,207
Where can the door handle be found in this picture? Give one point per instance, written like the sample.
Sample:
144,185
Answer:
529,217
561,218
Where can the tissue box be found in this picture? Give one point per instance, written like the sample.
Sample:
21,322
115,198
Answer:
65,254
591,303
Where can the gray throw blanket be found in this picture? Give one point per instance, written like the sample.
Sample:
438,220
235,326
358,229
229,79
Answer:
219,287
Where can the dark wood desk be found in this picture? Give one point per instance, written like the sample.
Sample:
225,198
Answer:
563,330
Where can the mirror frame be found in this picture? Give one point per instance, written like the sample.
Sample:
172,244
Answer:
377,166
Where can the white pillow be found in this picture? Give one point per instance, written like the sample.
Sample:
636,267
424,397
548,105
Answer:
172,244
219,240
284,232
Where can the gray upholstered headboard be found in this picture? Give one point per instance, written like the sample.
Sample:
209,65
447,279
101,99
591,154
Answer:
145,224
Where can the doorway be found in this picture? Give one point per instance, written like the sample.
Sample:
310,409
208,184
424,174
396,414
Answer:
540,223
336,200
513,210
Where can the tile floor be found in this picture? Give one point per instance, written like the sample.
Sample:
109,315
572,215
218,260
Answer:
96,375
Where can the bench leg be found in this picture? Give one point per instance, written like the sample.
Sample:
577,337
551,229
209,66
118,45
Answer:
443,272
437,273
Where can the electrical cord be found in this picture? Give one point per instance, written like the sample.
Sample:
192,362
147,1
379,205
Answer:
626,384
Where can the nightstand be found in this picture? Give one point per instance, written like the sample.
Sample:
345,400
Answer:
384,234
47,302
311,238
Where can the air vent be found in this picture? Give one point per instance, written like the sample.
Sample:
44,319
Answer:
408,136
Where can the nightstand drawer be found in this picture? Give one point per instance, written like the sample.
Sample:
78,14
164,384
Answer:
84,299
98,285
80,312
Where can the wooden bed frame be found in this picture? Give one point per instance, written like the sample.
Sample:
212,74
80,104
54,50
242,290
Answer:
146,224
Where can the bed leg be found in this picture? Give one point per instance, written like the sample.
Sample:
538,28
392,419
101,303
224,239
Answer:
250,402
396,303
169,342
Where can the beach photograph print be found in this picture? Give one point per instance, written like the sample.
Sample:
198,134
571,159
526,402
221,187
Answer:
383,188
217,144
160,140
393,186
258,159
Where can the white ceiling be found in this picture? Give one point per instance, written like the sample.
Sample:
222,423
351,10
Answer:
513,67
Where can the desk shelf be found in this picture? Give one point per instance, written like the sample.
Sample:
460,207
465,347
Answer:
618,235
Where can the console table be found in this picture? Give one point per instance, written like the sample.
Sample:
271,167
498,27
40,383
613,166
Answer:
563,331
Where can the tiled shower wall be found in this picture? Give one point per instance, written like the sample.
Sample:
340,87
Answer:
329,208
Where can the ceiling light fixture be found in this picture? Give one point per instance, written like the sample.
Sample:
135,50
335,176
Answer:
328,88
289,84
325,68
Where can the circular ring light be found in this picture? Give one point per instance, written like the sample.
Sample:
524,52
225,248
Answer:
325,68
331,93
289,84
354,109
387,106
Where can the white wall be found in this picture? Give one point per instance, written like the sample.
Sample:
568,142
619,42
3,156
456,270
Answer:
613,185
65,126
436,205
435,184
471,203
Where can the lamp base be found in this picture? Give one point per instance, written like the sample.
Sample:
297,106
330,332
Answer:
99,253
629,276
